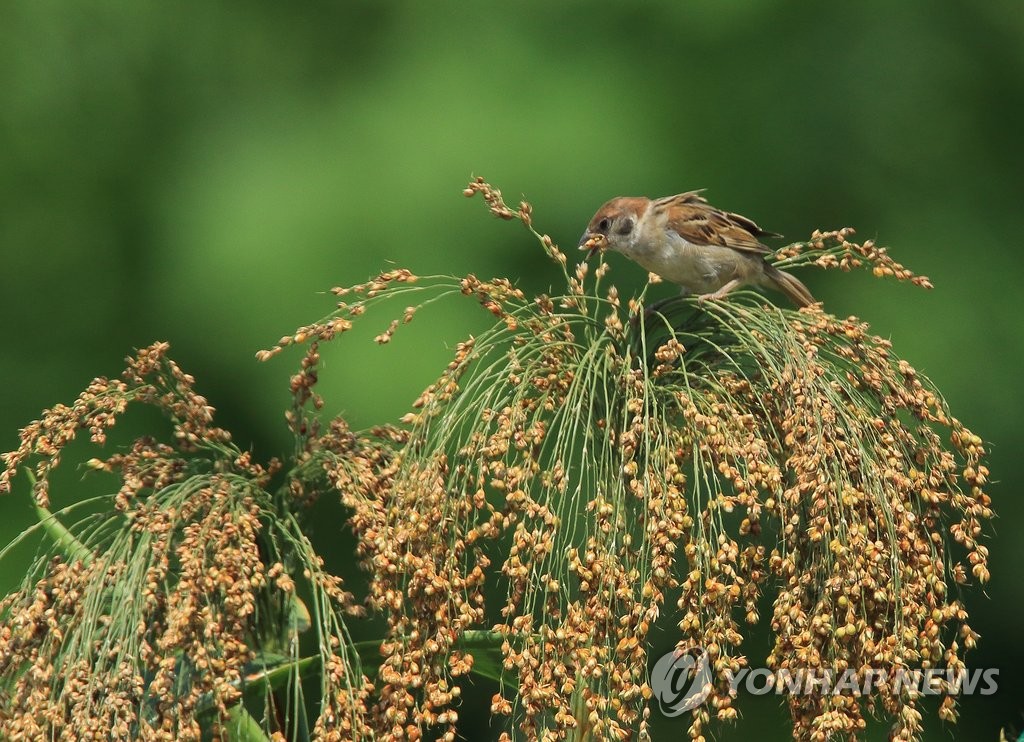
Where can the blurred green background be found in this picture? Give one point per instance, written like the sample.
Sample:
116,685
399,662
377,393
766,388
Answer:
199,172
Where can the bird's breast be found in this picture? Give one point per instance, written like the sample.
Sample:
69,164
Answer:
697,268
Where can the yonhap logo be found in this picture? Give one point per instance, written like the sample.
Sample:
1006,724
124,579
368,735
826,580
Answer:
681,681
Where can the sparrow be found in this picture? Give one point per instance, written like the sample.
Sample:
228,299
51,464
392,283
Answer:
687,241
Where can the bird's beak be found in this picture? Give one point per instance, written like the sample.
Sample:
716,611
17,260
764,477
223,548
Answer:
592,243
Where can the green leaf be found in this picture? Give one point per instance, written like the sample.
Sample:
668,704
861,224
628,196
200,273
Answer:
256,685
299,615
488,659
273,679
242,727
67,543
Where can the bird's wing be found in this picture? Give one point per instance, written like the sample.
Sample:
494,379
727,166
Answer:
691,217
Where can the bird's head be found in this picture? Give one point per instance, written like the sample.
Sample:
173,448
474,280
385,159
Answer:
614,225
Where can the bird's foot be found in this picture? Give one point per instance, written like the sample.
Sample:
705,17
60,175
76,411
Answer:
713,296
721,293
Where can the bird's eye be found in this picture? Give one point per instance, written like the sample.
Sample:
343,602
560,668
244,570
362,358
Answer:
602,226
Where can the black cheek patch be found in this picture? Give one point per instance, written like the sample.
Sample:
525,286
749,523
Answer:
626,227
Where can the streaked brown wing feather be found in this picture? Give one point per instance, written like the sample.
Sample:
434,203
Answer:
697,222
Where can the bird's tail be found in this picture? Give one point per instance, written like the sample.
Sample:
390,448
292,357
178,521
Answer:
791,286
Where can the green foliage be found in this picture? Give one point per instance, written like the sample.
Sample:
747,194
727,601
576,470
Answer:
579,466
